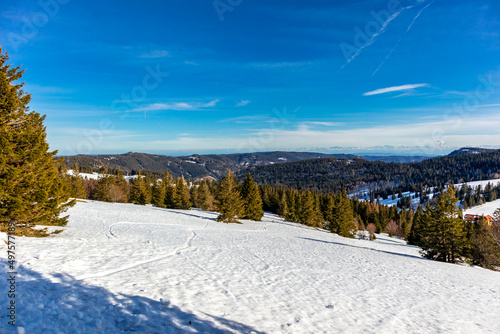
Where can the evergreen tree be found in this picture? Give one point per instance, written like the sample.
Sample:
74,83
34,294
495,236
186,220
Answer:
308,214
283,205
446,235
74,183
252,202
168,190
32,188
158,194
138,191
484,247
181,195
193,195
230,202
205,198
342,217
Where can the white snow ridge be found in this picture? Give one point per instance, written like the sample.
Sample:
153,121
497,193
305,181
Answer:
121,268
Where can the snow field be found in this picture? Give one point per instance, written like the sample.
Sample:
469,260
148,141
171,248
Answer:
123,267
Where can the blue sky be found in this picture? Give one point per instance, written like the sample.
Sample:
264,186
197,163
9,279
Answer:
182,77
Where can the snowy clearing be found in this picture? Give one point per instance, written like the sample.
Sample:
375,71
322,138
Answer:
485,209
123,267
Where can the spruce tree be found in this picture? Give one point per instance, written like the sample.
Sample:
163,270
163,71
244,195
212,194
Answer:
252,202
484,246
168,190
283,205
204,197
138,191
32,189
181,195
158,194
342,216
446,235
307,213
229,198
193,195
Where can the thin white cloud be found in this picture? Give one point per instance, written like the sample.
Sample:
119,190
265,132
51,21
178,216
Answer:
242,103
416,136
155,54
324,123
488,105
175,106
248,119
395,89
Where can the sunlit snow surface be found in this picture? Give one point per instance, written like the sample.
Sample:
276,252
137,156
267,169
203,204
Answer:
126,268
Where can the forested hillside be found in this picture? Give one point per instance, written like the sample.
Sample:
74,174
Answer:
332,174
201,166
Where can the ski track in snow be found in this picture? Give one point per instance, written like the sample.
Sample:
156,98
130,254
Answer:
127,268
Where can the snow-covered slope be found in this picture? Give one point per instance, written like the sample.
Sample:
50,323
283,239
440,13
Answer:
485,209
121,267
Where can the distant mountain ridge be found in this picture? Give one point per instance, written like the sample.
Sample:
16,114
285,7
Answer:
211,165
331,174
471,150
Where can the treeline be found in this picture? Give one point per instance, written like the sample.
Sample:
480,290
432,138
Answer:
473,196
444,235
379,178
438,228
335,212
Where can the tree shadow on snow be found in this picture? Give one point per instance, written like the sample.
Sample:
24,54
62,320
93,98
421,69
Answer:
182,212
62,304
368,248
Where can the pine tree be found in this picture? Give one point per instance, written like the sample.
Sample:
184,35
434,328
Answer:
417,228
158,194
168,190
193,195
32,189
342,216
74,183
181,195
252,202
205,198
230,202
308,214
283,205
446,235
484,247
138,191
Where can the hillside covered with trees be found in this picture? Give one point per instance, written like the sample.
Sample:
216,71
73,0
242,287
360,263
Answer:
333,175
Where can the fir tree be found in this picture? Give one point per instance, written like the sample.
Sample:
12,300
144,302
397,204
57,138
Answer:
417,229
252,202
204,197
446,236
230,202
181,196
283,205
342,216
168,190
193,195
138,191
484,247
32,188
74,183
158,194
308,214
